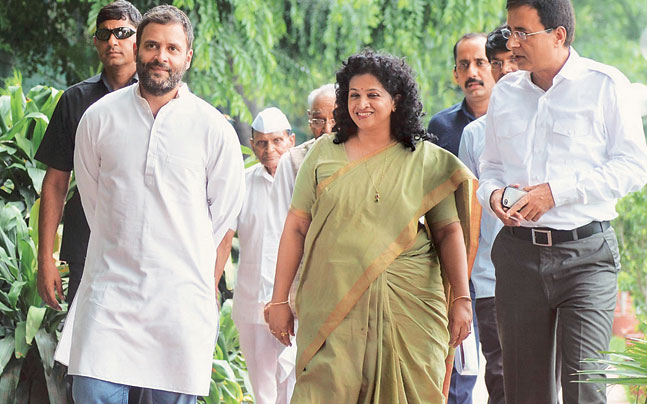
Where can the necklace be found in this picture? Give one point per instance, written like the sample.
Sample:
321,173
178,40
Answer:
377,191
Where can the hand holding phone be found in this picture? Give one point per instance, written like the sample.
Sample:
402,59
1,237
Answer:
510,196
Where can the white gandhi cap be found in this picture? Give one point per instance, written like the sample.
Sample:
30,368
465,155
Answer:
271,120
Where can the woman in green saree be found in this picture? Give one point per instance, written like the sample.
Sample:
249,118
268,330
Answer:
374,323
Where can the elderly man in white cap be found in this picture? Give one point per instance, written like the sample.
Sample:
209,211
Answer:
272,383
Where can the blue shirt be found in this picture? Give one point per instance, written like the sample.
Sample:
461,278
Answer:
471,147
447,125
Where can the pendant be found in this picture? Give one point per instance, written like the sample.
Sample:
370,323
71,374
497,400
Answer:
377,197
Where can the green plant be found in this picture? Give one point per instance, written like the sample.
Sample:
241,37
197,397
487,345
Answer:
229,380
23,120
631,227
28,328
628,368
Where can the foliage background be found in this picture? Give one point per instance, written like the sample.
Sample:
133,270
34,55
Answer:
250,54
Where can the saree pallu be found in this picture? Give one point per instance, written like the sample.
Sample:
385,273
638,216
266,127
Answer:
372,300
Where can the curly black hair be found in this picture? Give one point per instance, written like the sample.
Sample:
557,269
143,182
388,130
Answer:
398,79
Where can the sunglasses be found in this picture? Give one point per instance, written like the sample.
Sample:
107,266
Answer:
103,34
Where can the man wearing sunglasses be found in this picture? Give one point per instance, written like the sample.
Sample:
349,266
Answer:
116,23
565,130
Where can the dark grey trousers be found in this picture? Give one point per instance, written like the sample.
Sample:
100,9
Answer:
574,281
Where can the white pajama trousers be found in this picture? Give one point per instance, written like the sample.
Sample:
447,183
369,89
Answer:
270,364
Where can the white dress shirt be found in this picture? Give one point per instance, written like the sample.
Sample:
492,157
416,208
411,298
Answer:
255,276
470,149
159,194
583,136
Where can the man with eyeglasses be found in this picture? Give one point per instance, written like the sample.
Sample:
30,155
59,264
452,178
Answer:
565,131
471,146
116,25
272,379
472,72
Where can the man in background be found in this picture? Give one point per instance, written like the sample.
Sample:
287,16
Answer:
471,146
271,379
473,75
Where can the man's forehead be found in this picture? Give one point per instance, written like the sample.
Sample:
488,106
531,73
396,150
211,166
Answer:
523,18
172,33
269,135
503,55
471,48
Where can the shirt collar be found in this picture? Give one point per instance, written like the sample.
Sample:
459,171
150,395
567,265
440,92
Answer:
573,67
466,111
104,80
182,91
571,70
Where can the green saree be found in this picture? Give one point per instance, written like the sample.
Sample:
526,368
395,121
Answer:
371,300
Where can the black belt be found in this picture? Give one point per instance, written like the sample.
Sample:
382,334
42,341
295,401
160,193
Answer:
545,236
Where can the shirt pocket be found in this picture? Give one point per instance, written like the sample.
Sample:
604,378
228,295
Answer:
574,138
183,179
512,138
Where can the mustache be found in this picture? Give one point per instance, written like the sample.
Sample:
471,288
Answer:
157,64
473,80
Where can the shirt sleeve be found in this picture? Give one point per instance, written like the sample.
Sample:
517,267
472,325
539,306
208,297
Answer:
305,187
626,168
281,194
225,181
56,150
86,166
443,213
490,163
466,149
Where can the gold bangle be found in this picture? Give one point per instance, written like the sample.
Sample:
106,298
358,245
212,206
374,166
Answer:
270,304
469,299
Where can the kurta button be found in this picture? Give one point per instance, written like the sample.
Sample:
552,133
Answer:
209,202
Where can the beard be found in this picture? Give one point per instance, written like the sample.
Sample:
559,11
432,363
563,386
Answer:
158,86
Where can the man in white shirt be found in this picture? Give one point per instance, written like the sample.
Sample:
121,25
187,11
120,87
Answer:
270,364
161,181
564,129
471,146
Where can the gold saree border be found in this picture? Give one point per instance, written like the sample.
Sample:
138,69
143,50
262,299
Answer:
380,264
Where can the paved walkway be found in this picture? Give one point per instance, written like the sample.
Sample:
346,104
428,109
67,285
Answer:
615,394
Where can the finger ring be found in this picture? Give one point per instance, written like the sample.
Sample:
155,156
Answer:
272,332
283,334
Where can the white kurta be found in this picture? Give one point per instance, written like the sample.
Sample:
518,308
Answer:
255,278
270,364
159,195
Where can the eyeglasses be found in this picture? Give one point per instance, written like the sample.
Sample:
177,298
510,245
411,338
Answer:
103,34
520,35
498,64
318,123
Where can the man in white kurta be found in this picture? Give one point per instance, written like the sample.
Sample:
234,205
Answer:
160,176
270,364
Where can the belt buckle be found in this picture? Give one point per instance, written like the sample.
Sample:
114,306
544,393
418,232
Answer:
549,238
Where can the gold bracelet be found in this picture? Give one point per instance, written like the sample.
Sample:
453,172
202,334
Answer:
270,304
469,299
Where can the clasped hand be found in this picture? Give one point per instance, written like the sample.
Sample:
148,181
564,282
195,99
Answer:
530,207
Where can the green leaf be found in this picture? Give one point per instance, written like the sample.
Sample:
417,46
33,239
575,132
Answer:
54,374
34,320
18,102
21,341
9,381
14,292
36,174
7,347
222,371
